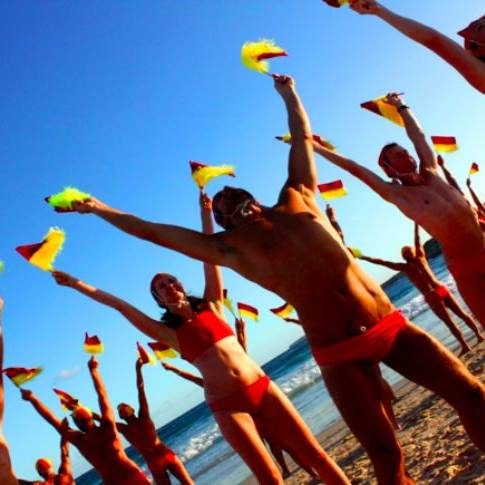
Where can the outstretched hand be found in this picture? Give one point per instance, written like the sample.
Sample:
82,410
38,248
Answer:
285,85
64,279
394,99
93,363
205,201
365,7
26,394
86,206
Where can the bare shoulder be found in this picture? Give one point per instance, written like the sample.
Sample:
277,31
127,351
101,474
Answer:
296,198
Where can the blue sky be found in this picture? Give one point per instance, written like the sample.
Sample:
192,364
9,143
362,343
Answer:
115,98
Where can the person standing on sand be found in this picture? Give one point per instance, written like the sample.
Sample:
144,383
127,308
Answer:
292,250
423,196
469,60
140,431
435,292
99,444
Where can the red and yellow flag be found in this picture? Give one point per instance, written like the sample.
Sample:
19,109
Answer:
254,54
336,3
317,138
68,402
44,253
247,311
228,303
146,357
283,311
203,174
444,144
332,190
64,199
162,351
474,169
21,375
92,345
380,107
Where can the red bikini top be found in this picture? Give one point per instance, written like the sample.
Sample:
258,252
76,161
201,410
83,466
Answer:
201,333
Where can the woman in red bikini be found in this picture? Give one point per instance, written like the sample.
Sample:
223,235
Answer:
236,388
436,294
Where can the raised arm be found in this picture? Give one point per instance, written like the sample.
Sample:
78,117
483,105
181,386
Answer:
417,241
241,333
476,199
184,374
448,176
330,211
42,409
302,172
106,411
143,409
65,468
415,133
385,189
471,68
383,262
212,249
7,475
212,272
138,319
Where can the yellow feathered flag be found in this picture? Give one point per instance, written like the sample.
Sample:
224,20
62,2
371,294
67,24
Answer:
203,174
44,253
64,199
254,54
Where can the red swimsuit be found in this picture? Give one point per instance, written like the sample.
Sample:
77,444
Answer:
198,335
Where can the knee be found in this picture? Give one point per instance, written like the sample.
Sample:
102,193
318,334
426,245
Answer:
474,395
388,454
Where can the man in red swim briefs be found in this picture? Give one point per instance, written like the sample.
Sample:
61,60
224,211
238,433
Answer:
292,250
141,432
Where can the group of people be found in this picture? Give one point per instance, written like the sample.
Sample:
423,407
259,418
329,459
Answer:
295,251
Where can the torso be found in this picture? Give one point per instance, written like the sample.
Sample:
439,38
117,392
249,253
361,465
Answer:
443,212
292,250
421,275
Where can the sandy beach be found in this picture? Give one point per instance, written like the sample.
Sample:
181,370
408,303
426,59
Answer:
436,447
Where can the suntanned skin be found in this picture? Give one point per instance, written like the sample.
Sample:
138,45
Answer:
468,61
417,269
99,444
141,432
427,199
7,475
226,369
478,203
292,250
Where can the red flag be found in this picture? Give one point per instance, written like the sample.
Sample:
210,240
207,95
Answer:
145,357
92,345
68,402
248,311
20,375
162,351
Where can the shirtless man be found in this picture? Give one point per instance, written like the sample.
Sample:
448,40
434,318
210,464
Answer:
423,196
99,444
469,60
142,434
436,294
46,470
292,250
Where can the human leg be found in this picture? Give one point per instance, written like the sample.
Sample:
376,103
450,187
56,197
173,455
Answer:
452,303
367,418
422,359
177,468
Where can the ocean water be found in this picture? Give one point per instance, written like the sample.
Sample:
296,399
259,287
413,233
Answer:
195,437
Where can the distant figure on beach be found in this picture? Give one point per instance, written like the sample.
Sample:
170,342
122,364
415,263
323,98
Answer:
469,60
7,475
99,444
435,292
45,468
140,431
236,388
423,196
292,250
274,447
